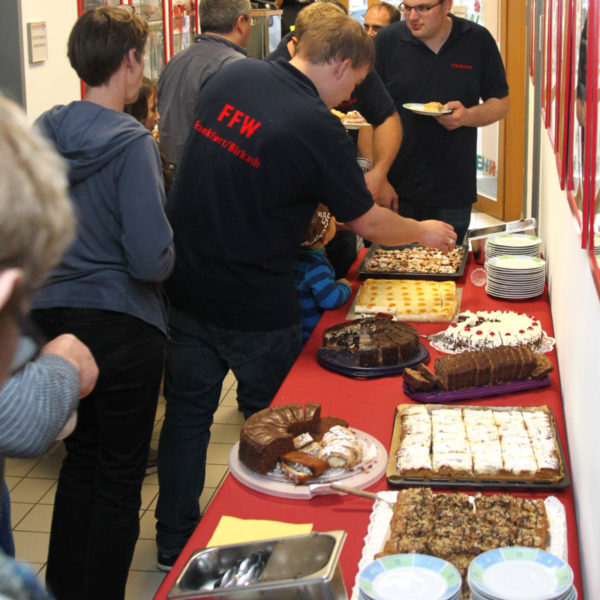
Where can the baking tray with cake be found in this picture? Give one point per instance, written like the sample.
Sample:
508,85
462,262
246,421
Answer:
413,261
476,447
374,346
477,374
412,300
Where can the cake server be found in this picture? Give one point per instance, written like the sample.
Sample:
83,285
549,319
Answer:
358,492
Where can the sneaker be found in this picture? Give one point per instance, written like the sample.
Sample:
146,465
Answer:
165,561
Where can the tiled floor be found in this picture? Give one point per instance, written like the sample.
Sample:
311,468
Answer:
32,484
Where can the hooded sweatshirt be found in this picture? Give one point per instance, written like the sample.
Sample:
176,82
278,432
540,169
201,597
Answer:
124,244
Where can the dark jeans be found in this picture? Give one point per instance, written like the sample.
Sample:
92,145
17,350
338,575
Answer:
457,216
199,356
7,543
95,524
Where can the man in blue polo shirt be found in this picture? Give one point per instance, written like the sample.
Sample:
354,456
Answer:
435,56
263,152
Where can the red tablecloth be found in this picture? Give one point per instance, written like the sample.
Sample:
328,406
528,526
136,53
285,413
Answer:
369,405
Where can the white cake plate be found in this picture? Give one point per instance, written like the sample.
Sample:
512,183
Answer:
274,486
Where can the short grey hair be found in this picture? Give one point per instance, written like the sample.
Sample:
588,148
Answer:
220,16
37,220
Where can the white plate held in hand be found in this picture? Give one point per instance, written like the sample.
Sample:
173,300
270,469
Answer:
420,109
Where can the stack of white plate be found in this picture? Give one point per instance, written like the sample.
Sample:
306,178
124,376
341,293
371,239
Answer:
519,573
515,277
513,243
414,576
597,244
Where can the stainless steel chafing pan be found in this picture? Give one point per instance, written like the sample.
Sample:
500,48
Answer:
478,237
296,568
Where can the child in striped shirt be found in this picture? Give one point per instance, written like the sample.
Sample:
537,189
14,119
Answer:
315,277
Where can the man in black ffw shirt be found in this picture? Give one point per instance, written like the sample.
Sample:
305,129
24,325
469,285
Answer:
263,151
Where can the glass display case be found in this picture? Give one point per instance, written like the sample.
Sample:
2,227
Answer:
156,57
183,21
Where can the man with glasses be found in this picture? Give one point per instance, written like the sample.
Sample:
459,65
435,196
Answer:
380,15
432,55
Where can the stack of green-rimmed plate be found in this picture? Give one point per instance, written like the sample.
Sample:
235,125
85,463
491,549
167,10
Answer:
519,244
414,576
519,573
515,277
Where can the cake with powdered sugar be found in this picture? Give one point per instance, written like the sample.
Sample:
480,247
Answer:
503,443
482,329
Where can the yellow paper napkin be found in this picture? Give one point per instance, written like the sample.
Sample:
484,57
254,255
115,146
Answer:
232,530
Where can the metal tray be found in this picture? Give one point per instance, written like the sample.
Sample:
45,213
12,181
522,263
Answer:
363,272
305,567
394,479
476,238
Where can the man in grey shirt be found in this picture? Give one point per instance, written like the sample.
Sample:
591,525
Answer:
226,30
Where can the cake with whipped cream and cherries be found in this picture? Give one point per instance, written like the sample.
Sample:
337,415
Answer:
482,329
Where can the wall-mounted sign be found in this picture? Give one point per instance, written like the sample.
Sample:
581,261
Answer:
38,42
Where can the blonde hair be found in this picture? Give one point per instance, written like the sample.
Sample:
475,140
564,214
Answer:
37,221
335,37
313,13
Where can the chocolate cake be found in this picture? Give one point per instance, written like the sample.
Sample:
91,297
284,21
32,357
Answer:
480,368
269,434
377,340
280,431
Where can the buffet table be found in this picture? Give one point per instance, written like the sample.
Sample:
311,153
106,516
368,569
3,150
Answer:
369,405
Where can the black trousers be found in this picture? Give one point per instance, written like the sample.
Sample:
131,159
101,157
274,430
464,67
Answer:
95,523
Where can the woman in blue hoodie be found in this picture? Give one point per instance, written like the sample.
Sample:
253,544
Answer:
107,291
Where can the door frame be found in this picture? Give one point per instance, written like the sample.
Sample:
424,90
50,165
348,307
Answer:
511,134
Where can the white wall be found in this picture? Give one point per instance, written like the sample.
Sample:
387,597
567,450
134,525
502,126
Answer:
53,81
576,318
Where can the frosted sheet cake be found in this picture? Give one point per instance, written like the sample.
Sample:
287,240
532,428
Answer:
408,299
432,441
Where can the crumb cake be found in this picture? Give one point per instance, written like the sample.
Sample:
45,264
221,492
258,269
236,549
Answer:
415,259
456,527
408,299
378,341
479,443
483,329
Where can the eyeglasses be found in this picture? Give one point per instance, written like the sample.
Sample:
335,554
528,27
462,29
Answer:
421,9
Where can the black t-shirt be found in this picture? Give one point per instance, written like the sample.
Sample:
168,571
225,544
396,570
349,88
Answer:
370,98
263,152
437,167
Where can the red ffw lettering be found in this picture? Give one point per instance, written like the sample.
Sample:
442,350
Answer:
249,126
237,118
225,112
